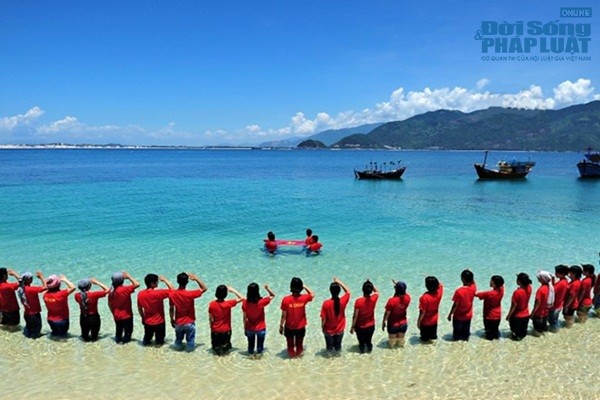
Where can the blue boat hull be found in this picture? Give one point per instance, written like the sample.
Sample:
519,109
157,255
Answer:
588,169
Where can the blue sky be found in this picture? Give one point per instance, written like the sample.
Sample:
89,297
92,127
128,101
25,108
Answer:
213,72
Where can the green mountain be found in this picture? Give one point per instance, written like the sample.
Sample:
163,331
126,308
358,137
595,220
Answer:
312,144
572,128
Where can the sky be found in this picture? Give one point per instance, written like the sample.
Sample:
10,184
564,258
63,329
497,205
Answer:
241,73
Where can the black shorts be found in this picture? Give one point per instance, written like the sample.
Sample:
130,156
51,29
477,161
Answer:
294,332
428,332
569,312
10,318
540,324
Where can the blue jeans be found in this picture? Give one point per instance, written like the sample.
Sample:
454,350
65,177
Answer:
333,342
553,318
59,328
259,338
187,330
33,326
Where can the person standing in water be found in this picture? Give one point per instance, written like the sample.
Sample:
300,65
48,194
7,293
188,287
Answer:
253,309
544,300
363,320
151,308
29,296
293,317
57,304
333,316
518,315
429,306
182,310
119,302
89,320
219,313
395,315
492,307
9,306
461,312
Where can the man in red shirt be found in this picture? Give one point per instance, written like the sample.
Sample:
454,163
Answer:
9,307
492,307
572,299
429,305
462,307
152,309
119,302
182,310
219,313
29,296
560,291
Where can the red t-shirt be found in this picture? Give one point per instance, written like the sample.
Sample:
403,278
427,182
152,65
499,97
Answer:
152,301
255,314
334,324
33,300
183,301
8,297
57,305
397,306
429,305
560,291
120,302
541,296
586,288
309,240
92,304
220,311
573,293
492,303
315,246
366,310
463,297
521,299
295,308
270,246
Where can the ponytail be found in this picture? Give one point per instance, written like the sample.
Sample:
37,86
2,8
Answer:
335,290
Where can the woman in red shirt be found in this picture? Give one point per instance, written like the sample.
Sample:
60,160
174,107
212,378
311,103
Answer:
544,300
429,307
270,243
219,312
363,320
573,295
395,315
89,320
293,316
587,284
518,316
253,308
333,316
29,296
492,307
57,304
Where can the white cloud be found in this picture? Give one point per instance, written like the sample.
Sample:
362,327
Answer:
483,82
574,92
14,122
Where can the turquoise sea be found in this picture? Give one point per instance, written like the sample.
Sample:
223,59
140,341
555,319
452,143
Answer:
93,212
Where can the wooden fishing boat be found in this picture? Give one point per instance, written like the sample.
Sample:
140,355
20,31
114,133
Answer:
506,169
391,170
589,167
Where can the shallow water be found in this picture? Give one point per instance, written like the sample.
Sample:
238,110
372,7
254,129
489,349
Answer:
93,212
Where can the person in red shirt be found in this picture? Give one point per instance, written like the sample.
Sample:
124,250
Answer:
152,309
314,247
363,320
596,300
89,319
585,292
253,309
461,312
492,307
395,315
572,298
182,310
270,244
57,304
309,237
219,314
293,317
429,305
119,302
29,296
518,315
333,316
9,307
560,291
544,301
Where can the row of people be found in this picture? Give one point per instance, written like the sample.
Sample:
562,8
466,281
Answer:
566,290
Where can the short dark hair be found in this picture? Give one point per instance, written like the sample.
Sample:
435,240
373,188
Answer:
367,288
523,279
221,292
183,279
309,232
270,235
467,276
432,284
3,273
315,238
561,269
498,280
150,279
296,285
576,270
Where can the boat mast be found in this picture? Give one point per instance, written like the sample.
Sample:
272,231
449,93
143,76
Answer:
485,159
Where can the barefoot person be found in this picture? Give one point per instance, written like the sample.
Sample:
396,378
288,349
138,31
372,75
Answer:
119,302
219,313
9,306
151,308
461,312
30,298
395,315
560,284
293,317
572,299
333,315
429,306
585,292
89,319
363,320
492,307
182,310
544,301
57,304
253,309
518,315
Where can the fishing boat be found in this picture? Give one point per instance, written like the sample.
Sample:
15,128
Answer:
375,172
589,167
506,169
